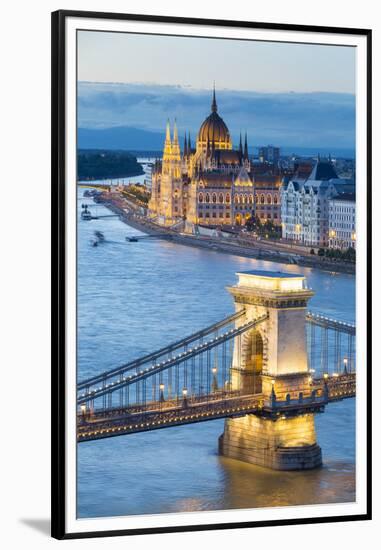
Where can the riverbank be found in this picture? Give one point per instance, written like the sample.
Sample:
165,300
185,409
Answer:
130,215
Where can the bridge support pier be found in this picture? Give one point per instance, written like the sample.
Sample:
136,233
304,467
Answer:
282,435
281,444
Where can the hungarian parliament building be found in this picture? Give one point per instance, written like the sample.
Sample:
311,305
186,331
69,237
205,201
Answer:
216,185
212,183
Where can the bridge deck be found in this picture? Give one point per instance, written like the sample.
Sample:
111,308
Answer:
157,415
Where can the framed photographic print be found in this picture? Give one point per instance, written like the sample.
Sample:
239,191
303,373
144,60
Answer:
211,185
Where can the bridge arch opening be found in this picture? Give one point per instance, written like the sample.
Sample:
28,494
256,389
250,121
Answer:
252,362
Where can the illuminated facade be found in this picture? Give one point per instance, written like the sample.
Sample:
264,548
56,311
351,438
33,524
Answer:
211,183
273,358
342,222
305,204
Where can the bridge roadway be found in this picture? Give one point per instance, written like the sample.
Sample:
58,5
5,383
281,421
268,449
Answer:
116,421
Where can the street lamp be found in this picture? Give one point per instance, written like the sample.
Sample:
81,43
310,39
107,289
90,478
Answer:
185,400
345,363
215,381
161,387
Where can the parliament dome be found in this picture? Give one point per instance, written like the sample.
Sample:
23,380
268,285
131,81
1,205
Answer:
214,129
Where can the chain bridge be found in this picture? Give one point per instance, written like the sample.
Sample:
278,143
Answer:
267,369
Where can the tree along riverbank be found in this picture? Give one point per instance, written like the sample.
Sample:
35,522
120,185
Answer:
98,164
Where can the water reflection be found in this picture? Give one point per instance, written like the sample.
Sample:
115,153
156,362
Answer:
249,486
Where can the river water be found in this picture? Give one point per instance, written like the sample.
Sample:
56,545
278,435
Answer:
137,297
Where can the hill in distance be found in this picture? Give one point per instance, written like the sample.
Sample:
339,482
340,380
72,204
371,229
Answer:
127,138
119,138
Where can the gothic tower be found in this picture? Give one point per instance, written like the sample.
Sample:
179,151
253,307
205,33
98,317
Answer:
170,209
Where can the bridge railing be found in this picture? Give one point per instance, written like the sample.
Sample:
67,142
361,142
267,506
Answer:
120,421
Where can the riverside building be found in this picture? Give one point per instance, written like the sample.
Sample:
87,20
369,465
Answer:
305,203
342,221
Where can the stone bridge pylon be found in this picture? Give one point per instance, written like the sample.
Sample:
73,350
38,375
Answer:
271,359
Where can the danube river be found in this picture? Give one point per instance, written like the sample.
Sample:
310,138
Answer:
136,297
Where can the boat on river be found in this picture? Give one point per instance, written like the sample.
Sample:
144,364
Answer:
86,214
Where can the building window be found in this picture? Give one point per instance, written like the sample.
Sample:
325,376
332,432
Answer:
236,199
227,198
221,198
214,215
201,215
214,198
268,199
262,199
207,198
207,215
201,198
251,199
275,199
228,214
221,214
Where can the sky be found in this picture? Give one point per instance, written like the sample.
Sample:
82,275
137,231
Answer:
282,93
233,64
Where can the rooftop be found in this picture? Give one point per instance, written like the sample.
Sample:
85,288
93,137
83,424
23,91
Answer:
323,170
272,274
271,281
349,197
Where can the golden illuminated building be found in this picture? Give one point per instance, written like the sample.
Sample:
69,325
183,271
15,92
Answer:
273,356
211,184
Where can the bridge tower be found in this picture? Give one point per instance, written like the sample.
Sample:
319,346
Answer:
272,359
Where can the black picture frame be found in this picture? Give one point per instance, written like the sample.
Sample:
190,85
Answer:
58,319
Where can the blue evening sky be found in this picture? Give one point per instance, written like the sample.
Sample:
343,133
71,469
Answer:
282,93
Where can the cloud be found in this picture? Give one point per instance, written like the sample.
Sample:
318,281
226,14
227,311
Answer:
311,119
